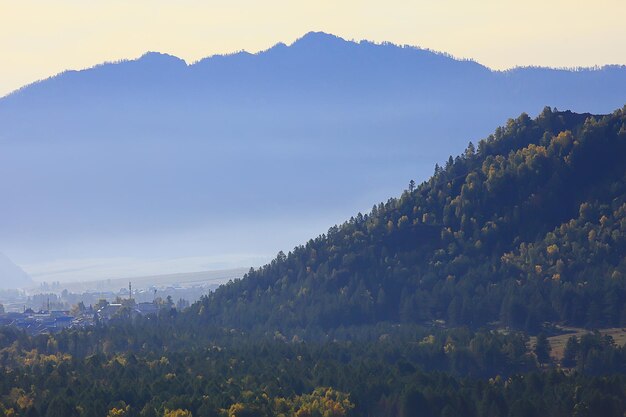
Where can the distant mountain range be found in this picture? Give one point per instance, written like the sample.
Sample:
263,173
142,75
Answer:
248,153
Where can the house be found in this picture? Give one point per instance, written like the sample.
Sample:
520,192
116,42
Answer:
145,309
108,311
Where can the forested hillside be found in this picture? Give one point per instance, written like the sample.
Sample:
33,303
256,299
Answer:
526,227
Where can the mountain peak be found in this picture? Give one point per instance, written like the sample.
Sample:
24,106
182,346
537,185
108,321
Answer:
158,57
317,38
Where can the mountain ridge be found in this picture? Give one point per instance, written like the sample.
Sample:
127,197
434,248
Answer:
314,39
155,147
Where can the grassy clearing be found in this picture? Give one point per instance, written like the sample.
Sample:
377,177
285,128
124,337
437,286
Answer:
558,342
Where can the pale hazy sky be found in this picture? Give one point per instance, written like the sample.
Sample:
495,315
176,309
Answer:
41,38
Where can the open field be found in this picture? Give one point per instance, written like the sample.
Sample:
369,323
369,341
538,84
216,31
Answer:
558,342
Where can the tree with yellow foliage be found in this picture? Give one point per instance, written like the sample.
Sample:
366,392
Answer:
122,411
322,402
177,413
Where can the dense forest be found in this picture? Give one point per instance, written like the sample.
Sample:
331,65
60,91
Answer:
527,227
423,307
160,367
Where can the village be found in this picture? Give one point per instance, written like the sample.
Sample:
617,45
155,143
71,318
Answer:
53,315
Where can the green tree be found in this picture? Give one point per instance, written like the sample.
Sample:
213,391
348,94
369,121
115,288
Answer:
542,349
570,352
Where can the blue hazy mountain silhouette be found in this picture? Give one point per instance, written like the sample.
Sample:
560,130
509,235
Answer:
11,275
250,151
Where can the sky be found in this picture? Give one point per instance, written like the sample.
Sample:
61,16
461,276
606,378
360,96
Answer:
41,38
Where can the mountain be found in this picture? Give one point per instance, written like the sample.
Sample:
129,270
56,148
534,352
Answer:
11,275
153,157
527,227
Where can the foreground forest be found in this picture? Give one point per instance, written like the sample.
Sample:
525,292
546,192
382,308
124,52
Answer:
423,307
158,367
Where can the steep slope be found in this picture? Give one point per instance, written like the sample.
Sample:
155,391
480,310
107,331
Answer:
126,155
528,227
11,275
